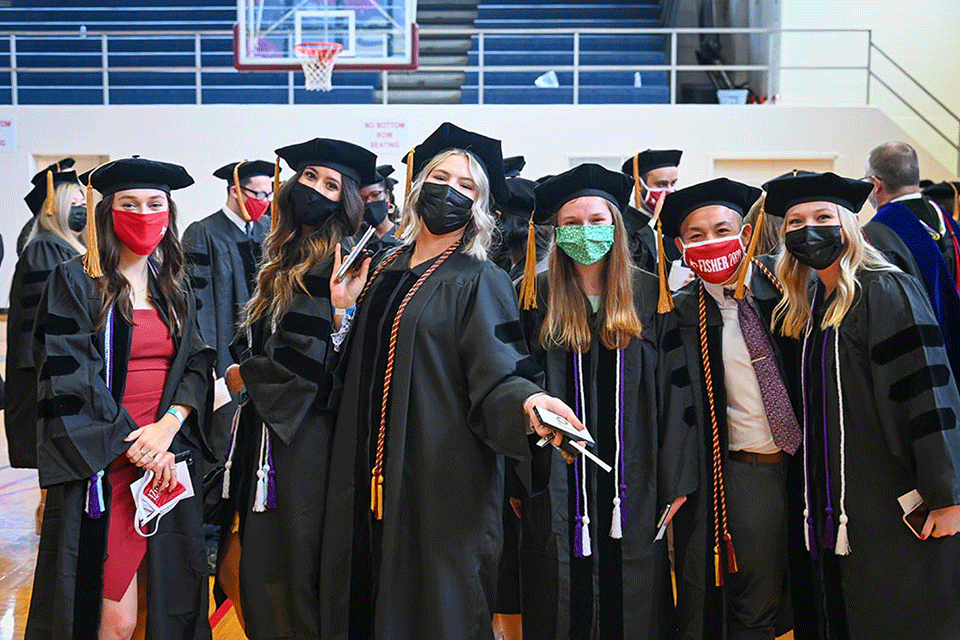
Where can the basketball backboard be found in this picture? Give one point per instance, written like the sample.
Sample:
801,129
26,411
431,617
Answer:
375,34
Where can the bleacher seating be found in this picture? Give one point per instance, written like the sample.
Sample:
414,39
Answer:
595,87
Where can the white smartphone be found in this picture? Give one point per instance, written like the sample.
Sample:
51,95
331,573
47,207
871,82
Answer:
355,253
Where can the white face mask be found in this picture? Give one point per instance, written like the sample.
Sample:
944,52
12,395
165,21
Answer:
653,195
153,504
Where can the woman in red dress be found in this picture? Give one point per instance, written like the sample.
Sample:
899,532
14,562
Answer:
123,389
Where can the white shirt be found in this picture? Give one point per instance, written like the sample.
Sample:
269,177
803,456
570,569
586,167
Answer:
909,196
235,218
747,425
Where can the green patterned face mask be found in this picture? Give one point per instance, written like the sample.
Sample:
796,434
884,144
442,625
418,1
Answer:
585,243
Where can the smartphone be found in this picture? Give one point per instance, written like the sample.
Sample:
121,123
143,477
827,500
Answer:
915,511
571,436
355,253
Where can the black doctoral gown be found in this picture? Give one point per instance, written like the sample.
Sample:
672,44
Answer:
37,260
24,234
892,247
461,375
287,375
901,409
701,607
82,425
222,262
622,590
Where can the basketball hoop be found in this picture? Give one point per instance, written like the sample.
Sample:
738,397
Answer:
317,60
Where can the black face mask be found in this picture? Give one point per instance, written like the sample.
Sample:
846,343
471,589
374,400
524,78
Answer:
444,209
78,218
375,212
816,246
310,207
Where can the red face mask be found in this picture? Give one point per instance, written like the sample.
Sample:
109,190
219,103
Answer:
654,195
256,208
141,232
715,261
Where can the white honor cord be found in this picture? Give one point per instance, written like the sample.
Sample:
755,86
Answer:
586,505
806,430
842,547
616,526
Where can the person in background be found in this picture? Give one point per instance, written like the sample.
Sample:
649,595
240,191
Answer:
930,235
768,234
655,173
379,212
62,171
54,239
124,388
879,413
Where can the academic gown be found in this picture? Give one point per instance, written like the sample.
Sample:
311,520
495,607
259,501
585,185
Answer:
622,590
461,375
891,246
287,374
82,425
37,260
25,234
701,606
901,408
222,262
642,239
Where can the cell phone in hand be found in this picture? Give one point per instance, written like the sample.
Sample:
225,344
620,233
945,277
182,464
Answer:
570,435
355,254
915,512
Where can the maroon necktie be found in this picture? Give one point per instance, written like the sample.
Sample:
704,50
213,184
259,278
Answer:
780,415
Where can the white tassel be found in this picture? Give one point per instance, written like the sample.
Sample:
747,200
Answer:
260,497
843,542
806,529
615,528
587,551
234,423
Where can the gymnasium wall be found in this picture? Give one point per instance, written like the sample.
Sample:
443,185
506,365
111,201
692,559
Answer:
752,143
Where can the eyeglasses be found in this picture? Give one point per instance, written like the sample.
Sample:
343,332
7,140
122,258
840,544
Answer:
259,195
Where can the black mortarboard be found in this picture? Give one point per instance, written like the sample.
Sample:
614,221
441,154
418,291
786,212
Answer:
118,175
448,136
384,171
583,180
136,173
946,191
522,199
247,169
543,179
59,173
651,159
797,187
513,165
924,184
719,191
347,158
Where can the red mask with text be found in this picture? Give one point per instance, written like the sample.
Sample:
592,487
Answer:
715,261
256,208
654,194
141,232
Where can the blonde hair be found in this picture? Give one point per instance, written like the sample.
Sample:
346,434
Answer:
58,223
793,312
565,324
478,235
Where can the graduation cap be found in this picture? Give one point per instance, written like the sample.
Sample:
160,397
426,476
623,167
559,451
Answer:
677,206
798,187
45,182
582,181
349,159
646,161
945,191
119,175
487,152
244,169
522,198
385,171
513,165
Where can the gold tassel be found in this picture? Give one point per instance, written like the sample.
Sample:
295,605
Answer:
747,259
236,183
717,567
376,496
276,191
48,203
528,288
956,201
91,259
636,179
665,303
406,193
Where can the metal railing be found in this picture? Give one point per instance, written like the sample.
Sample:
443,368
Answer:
198,46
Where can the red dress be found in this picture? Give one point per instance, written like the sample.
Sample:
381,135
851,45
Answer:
151,352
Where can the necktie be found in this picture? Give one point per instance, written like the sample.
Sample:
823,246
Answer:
780,415
249,229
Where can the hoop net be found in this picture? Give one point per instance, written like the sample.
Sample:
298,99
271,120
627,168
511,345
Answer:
317,60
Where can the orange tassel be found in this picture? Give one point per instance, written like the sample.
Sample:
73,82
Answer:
376,498
48,203
747,259
718,567
528,288
665,303
406,193
91,259
236,183
636,179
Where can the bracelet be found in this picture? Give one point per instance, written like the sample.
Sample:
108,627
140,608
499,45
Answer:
176,413
337,311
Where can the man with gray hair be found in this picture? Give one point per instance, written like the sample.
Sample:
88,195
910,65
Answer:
905,218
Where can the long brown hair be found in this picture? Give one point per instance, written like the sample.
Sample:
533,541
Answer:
289,254
565,324
115,289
